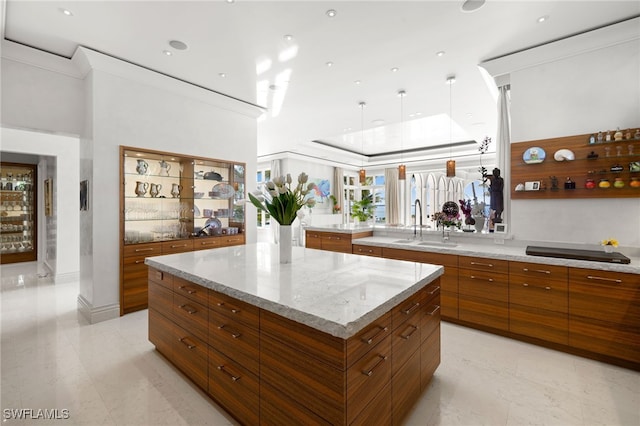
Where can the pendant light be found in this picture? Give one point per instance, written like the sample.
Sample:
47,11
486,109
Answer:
402,169
451,163
362,174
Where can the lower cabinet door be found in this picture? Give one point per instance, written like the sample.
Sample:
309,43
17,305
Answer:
234,387
405,388
378,412
190,356
489,313
278,409
161,333
429,358
539,323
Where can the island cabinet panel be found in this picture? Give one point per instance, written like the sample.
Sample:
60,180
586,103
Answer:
367,250
363,341
192,316
234,309
278,409
236,340
333,241
483,286
429,357
191,356
378,412
192,291
604,313
539,301
160,332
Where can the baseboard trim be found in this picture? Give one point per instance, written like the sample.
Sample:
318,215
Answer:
99,314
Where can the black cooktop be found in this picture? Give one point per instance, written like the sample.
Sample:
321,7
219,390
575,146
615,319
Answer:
592,255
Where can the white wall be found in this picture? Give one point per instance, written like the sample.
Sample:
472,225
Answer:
65,262
315,171
583,93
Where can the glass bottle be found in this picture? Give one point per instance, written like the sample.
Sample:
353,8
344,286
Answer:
604,183
618,183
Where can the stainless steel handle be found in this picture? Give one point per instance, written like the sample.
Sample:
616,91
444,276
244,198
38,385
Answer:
382,358
411,309
184,342
189,309
370,339
234,334
184,288
234,378
490,265
473,277
435,290
533,286
139,261
178,245
436,309
406,336
233,310
617,281
542,271
145,249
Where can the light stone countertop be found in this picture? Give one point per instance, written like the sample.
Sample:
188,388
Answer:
336,293
486,248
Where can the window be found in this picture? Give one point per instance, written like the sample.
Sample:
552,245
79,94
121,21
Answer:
262,177
373,186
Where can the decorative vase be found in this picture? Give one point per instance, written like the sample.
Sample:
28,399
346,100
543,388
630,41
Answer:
608,248
142,167
479,223
285,243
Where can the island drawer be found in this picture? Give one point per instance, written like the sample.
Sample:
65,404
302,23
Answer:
190,355
409,310
367,250
483,264
405,341
236,340
234,308
161,278
195,292
234,387
161,299
430,321
192,316
361,343
429,358
367,377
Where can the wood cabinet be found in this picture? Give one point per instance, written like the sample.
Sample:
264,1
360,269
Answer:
604,313
367,250
538,301
171,203
265,369
18,212
610,155
333,241
483,286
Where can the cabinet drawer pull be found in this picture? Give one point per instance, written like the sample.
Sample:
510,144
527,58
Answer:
205,243
411,309
613,280
139,262
184,342
382,358
228,330
436,309
435,290
406,336
234,378
544,288
178,245
189,309
542,271
233,310
184,288
371,339
490,265
473,277
145,249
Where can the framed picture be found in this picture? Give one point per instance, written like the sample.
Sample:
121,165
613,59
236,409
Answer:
500,228
48,197
84,194
532,186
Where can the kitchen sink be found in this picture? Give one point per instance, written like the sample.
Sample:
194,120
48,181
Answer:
405,241
437,244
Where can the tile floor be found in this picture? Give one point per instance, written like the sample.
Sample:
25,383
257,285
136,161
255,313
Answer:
109,374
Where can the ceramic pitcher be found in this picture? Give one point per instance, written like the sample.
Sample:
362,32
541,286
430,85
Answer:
164,168
175,190
142,167
155,189
141,188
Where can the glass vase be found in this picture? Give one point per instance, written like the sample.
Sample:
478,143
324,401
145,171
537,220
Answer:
285,243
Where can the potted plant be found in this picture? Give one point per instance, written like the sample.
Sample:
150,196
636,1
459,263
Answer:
363,210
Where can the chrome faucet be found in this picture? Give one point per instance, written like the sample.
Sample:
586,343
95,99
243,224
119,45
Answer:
417,203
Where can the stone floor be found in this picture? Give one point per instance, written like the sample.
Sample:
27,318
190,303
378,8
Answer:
109,374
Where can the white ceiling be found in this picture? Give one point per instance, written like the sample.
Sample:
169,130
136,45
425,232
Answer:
364,41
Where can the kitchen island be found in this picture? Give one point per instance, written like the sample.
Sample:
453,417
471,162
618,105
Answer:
331,338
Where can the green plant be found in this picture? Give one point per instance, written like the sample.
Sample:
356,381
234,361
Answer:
363,209
335,208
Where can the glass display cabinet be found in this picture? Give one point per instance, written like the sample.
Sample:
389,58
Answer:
18,237
172,203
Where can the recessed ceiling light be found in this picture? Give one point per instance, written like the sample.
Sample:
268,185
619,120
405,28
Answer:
357,82
222,74
178,45
331,13
440,53
394,69
329,64
450,80
288,37
472,5
66,12
542,19
166,52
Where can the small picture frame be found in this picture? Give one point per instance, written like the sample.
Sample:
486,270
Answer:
532,186
84,194
500,228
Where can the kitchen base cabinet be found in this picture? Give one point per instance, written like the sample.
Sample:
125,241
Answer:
604,313
333,241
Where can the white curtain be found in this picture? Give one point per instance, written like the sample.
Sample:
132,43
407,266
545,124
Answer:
338,187
392,196
503,146
275,172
